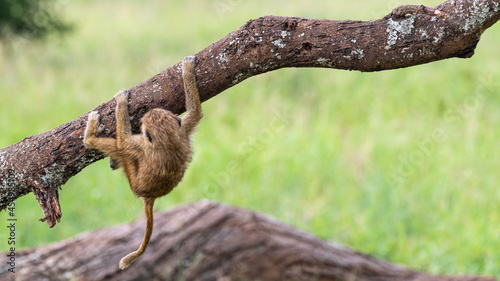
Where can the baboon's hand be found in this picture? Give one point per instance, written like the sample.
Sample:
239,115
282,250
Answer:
188,64
122,96
93,118
92,129
93,124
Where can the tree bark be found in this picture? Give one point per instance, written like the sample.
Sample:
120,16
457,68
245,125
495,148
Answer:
409,35
207,241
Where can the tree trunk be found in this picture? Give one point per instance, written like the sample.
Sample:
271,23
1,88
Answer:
409,35
206,241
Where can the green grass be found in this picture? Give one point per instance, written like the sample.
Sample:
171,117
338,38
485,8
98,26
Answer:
315,148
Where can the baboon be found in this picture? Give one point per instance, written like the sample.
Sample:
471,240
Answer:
155,160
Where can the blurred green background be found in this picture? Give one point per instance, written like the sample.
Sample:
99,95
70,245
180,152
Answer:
399,164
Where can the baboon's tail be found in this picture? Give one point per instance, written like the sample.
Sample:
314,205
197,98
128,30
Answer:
148,210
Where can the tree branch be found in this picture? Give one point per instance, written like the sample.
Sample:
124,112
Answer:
410,35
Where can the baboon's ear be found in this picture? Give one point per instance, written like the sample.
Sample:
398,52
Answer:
148,136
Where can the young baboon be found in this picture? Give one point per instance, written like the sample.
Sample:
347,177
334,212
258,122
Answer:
155,160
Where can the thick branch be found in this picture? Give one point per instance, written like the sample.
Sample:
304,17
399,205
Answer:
207,241
410,35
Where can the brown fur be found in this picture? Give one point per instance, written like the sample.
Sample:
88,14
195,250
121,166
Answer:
155,160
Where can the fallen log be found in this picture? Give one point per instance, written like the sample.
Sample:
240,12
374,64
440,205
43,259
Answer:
207,241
